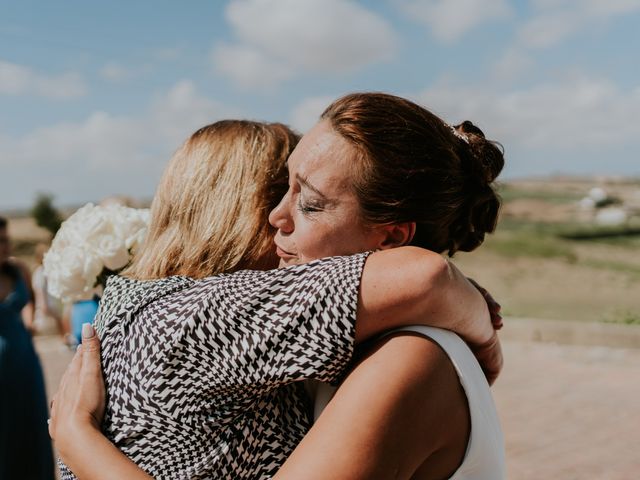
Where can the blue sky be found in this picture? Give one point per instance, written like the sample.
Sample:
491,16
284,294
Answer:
95,96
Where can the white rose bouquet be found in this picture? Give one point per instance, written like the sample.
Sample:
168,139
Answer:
93,243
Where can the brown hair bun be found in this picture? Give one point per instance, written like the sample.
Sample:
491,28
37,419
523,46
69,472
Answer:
483,161
410,166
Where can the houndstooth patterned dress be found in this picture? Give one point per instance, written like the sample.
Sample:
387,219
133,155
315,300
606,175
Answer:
203,376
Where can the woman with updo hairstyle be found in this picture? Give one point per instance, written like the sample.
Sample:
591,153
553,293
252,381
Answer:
377,172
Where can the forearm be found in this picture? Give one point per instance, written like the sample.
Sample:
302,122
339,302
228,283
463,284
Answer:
94,457
413,286
28,314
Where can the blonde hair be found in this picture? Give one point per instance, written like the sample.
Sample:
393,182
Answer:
210,212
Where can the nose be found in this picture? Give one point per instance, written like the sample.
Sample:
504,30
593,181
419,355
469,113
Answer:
280,217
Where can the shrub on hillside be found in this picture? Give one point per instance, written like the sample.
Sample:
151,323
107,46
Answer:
45,214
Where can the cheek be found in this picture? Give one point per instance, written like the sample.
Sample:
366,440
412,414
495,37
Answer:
317,241
308,238
311,238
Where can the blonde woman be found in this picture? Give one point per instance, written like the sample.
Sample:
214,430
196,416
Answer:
203,373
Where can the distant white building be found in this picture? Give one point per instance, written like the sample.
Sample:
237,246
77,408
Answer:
611,216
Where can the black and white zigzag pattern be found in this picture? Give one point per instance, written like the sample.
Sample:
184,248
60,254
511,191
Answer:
203,376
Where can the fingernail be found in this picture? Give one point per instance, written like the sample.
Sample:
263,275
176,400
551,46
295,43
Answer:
87,330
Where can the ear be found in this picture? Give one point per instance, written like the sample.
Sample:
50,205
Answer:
396,235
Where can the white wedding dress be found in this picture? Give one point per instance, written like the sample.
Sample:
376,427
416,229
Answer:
484,459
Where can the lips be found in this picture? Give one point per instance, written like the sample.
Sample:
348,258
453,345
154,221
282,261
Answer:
283,253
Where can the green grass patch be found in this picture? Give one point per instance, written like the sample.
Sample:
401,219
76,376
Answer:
509,194
624,317
574,232
589,233
510,224
531,244
612,266
632,242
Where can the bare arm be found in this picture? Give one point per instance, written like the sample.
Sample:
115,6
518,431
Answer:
96,458
41,298
413,286
401,410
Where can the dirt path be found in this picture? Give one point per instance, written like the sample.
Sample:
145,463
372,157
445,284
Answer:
568,412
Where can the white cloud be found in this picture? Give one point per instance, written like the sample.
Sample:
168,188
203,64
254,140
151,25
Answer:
306,113
21,80
573,115
117,73
114,72
249,67
101,140
549,29
593,7
579,125
550,23
556,20
107,141
110,153
278,39
449,20
514,63
179,112
168,53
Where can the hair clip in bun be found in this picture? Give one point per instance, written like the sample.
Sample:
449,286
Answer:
459,134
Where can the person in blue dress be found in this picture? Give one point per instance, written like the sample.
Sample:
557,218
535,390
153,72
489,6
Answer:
25,448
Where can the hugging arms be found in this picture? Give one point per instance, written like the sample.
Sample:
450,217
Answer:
357,182
398,287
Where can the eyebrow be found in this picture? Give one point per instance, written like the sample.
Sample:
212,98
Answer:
307,184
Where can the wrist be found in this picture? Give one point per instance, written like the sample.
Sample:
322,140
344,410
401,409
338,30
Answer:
477,326
77,436
487,335
486,344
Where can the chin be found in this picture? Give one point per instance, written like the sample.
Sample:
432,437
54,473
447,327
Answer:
288,262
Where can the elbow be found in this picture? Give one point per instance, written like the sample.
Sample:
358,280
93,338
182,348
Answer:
430,271
437,272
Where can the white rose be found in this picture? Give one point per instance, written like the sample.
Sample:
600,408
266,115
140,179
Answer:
133,221
72,272
135,241
95,226
79,228
113,252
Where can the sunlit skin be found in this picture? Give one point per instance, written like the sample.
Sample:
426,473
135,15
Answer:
320,215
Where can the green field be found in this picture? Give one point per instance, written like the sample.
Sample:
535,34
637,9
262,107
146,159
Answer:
562,268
